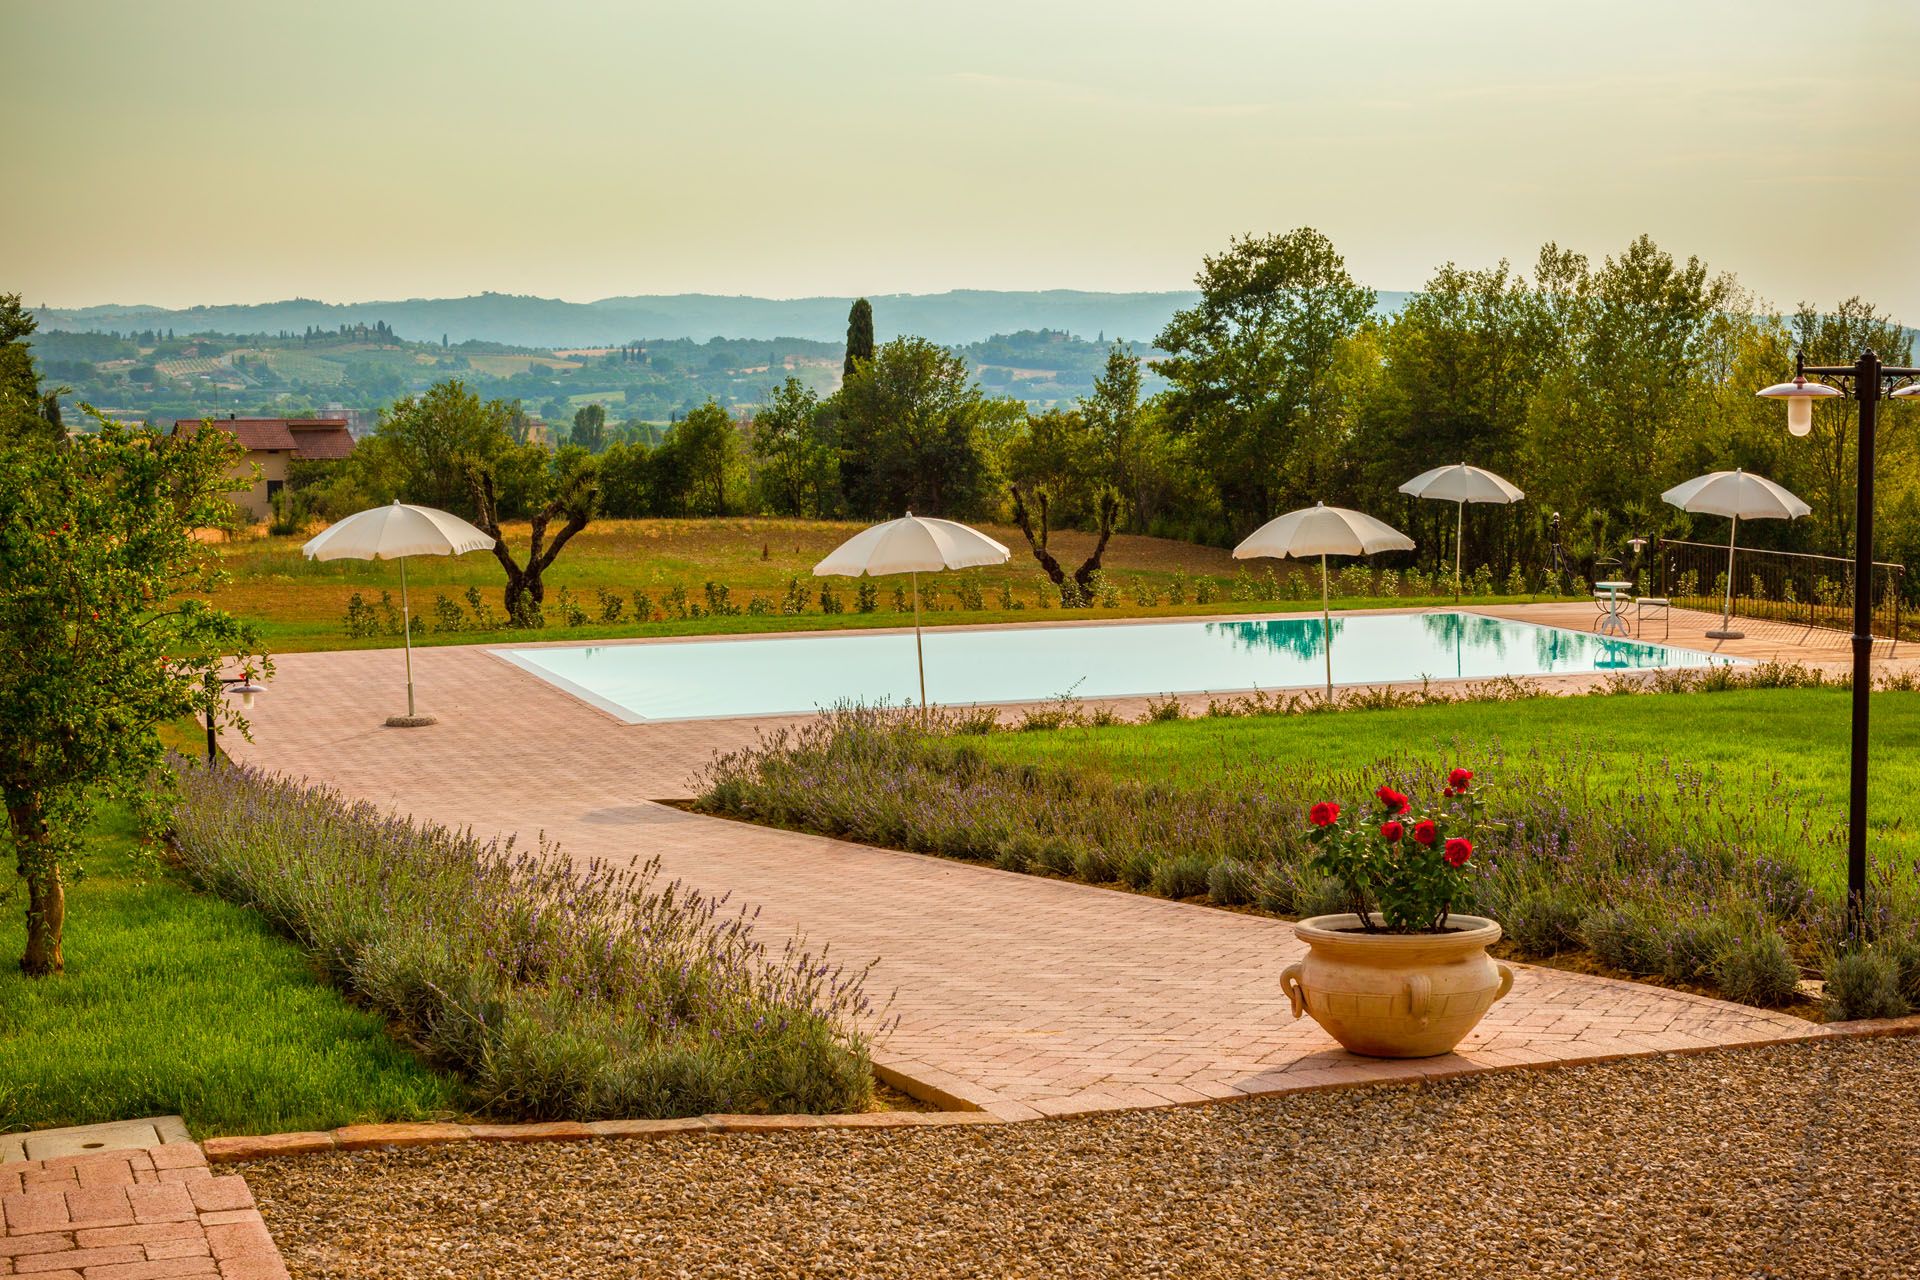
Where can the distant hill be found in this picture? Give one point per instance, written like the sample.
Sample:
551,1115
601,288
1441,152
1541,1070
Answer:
954,318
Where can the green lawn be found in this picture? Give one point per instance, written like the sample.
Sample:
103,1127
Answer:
177,1003
1775,758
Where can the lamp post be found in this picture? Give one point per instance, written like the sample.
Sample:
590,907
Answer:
1867,380
241,684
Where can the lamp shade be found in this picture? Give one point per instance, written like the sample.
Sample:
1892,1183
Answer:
1907,392
1799,395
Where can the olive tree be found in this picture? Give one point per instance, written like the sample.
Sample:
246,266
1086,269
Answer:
107,631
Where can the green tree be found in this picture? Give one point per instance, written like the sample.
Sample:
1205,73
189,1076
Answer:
1251,364
590,428
797,471
702,461
1458,365
859,336
425,441
1059,456
913,433
28,410
1135,453
106,632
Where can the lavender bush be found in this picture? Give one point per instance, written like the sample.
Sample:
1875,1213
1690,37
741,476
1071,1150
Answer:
1662,878
555,992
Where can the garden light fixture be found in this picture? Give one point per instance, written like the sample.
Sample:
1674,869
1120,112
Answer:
1867,380
1800,395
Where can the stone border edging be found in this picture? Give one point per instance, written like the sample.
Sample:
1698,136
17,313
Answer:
364,1137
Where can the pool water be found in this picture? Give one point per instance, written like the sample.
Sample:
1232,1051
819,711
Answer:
695,679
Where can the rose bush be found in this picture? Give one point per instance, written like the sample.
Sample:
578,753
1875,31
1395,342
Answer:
1410,882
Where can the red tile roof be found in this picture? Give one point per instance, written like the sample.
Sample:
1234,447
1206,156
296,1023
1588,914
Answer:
320,438
305,438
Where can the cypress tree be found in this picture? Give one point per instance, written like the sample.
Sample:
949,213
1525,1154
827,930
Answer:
859,335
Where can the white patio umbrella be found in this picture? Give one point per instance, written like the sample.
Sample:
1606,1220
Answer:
914,545
1740,496
1462,484
395,532
1321,530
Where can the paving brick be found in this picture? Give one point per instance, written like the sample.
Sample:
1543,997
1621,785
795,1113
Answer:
99,1206
237,1239
194,1248
220,1193
165,1202
20,1246
191,1173
82,1260
157,1269
177,1155
35,1211
141,1233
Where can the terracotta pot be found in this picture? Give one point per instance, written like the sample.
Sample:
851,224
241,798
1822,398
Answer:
1396,995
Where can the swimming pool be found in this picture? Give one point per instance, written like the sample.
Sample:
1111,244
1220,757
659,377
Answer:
699,679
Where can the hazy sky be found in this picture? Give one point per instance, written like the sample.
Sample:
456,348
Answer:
184,152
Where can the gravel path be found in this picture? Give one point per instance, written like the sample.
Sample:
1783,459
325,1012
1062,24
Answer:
1789,1161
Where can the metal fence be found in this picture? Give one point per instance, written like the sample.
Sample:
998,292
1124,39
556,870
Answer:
1782,586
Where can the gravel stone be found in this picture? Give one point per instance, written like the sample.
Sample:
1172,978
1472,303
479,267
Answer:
1787,1161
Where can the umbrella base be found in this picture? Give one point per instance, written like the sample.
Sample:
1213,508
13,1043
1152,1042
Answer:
410,722
1720,634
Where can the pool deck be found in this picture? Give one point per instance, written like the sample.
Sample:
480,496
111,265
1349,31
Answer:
1019,995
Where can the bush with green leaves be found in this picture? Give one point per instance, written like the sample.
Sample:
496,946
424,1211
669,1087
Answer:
1865,984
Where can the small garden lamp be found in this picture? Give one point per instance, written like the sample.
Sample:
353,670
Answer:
242,684
1800,395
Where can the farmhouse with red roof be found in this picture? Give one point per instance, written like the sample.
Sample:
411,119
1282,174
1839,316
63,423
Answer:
271,443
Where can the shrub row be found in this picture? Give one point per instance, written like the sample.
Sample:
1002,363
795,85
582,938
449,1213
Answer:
555,992
1647,882
381,616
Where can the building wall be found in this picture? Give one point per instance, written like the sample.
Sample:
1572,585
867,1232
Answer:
259,467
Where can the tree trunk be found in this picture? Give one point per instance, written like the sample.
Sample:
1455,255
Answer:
46,893
46,921
1109,516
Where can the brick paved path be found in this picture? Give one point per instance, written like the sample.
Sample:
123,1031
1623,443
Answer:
131,1215
1017,994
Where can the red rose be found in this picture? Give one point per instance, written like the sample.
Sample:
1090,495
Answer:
1425,832
1391,831
1458,851
1459,779
1324,814
1392,801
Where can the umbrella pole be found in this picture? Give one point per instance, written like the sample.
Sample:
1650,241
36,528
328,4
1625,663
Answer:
919,654
1459,532
1326,622
406,627
1725,630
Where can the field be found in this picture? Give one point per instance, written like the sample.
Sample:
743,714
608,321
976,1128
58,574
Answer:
177,1003
505,366
300,604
